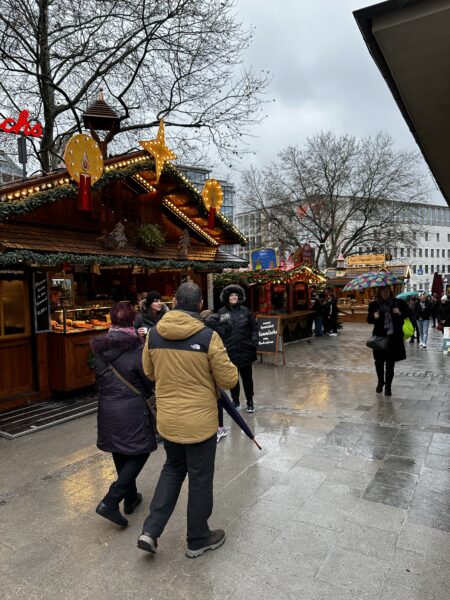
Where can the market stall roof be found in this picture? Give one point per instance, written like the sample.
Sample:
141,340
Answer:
180,198
409,41
47,246
268,276
339,278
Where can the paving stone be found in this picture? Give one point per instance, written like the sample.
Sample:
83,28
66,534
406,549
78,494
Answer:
396,479
402,464
425,540
378,515
370,541
392,496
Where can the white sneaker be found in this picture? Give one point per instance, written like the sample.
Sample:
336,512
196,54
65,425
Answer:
221,433
424,345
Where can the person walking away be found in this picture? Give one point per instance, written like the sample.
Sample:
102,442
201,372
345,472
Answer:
423,312
188,362
333,316
434,301
124,424
240,339
152,310
413,318
318,318
443,315
387,315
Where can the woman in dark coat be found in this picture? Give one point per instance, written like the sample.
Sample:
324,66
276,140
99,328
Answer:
443,313
423,310
152,310
387,315
240,338
124,423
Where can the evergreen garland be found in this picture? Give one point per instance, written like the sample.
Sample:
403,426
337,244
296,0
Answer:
53,259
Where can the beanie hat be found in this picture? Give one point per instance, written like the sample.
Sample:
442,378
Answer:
444,298
151,297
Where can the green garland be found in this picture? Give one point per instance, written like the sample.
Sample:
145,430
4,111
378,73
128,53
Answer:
34,201
53,259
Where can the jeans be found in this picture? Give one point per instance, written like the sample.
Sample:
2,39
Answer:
318,325
128,468
197,461
423,325
247,381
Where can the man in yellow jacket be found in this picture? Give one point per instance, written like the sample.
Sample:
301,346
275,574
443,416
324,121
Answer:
188,362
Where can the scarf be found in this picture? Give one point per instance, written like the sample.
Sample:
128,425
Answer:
386,308
128,330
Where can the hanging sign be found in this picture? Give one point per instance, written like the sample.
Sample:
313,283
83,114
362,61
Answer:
41,302
264,258
21,125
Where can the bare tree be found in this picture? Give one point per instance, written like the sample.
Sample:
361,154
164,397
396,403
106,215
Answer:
177,59
338,193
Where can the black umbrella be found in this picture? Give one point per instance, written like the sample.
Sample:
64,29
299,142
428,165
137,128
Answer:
236,416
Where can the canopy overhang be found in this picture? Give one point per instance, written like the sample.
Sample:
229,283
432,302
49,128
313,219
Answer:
409,41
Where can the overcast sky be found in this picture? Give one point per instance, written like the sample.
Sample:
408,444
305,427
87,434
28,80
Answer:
323,76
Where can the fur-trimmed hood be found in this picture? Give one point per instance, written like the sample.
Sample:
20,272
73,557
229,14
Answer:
115,343
232,289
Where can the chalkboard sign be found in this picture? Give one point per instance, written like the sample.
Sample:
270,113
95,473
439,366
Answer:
270,339
41,302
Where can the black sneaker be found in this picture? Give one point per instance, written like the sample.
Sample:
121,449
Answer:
111,514
147,542
215,540
250,407
128,507
237,404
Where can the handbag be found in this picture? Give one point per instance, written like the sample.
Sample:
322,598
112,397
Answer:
150,401
440,326
408,329
378,342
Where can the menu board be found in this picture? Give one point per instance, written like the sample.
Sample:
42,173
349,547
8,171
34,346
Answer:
41,302
268,334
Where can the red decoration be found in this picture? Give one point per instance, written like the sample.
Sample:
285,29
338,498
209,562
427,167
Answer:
21,125
84,192
211,217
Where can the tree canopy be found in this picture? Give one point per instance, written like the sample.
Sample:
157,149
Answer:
176,59
339,194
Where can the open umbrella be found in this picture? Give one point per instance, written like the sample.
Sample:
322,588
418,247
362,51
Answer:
406,295
236,416
372,279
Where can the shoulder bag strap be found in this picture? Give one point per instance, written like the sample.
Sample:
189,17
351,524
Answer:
123,380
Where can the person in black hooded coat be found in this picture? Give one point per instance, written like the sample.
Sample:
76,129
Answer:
239,332
124,423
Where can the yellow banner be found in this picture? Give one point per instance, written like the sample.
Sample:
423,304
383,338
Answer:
365,259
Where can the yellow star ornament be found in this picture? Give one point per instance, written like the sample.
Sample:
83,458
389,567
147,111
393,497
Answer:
158,149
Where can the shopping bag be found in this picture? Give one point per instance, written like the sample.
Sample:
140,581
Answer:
408,329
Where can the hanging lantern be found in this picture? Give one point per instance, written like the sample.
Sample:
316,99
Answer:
212,197
84,162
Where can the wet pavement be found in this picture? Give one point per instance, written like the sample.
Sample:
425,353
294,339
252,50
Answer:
349,499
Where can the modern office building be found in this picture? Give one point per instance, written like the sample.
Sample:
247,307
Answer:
430,252
9,171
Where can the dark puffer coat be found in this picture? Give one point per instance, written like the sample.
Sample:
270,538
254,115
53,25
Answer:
240,334
123,419
396,349
147,319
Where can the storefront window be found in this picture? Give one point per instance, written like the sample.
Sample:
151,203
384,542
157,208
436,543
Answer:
13,307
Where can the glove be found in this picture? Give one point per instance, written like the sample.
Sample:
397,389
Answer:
224,318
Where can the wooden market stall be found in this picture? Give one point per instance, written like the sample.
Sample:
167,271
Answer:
280,293
64,259
353,306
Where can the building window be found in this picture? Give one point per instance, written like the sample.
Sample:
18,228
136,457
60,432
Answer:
408,252
432,269
420,253
426,268
426,252
437,237
426,236
431,253
414,253
414,269
402,252
437,252
448,253
415,287
448,237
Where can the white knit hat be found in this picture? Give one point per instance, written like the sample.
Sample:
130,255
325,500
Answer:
444,299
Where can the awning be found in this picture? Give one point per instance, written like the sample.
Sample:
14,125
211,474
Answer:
409,41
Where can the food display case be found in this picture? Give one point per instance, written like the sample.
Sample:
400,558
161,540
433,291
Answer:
69,345
79,320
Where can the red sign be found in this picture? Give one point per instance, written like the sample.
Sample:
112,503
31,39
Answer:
21,125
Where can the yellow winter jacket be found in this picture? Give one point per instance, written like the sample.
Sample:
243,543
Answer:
187,361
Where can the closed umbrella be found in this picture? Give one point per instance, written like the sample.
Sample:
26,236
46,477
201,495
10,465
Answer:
437,287
372,279
236,416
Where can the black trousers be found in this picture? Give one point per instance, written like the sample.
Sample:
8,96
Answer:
197,461
128,468
246,374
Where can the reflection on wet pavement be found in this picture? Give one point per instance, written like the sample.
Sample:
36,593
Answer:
350,497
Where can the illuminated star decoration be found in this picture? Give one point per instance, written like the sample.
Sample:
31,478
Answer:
158,149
